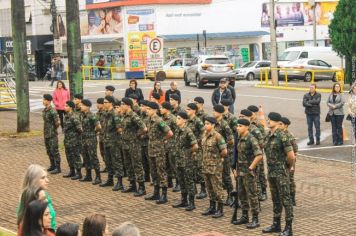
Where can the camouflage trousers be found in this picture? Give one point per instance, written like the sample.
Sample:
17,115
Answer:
198,166
89,153
145,160
214,187
186,177
133,160
248,192
261,178
113,159
102,150
171,166
226,174
292,185
280,194
52,151
158,170
72,151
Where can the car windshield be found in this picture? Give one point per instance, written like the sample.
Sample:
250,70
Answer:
249,64
217,61
289,56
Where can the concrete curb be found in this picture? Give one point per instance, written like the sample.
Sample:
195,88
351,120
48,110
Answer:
291,88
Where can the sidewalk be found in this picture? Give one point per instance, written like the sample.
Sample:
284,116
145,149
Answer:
326,196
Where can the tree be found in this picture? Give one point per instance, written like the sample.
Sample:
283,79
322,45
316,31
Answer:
342,32
21,66
74,48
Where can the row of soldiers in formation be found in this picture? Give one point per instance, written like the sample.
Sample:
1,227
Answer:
142,139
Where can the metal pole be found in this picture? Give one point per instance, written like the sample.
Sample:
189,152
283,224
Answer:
272,24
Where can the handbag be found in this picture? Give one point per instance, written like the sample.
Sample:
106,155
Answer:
327,118
348,117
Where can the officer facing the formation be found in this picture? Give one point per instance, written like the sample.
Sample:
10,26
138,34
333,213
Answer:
100,115
91,126
51,124
214,149
158,133
250,154
200,104
174,101
278,151
72,129
78,102
109,90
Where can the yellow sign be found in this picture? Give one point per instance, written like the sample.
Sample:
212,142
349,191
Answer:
137,49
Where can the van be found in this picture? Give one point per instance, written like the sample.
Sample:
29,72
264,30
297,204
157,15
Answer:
322,53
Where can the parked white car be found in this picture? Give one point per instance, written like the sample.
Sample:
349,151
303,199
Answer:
252,70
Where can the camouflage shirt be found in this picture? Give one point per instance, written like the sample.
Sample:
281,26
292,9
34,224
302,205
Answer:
137,109
171,122
146,119
202,115
111,123
185,141
277,145
248,148
89,122
50,122
212,144
256,132
175,111
132,124
100,115
78,112
72,128
292,140
232,121
224,129
197,126
157,130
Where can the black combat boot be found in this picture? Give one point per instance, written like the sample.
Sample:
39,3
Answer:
118,186
177,187
78,175
243,219
87,177
183,201
220,210
275,227
263,196
155,195
202,193
141,190
293,199
52,166
132,187
108,182
287,229
170,182
97,179
163,199
255,223
211,210
191,205
229,201
56,170
70,174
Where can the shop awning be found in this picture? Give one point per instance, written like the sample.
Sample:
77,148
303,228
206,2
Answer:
92,40
215,35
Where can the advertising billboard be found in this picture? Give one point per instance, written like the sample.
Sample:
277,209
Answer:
105,21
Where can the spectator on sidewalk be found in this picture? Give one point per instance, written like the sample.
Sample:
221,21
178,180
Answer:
336,103
172,91
60,97
233,96
126,229
351,108
58,69
68,229
221,93
157,89
100,63
95,225
133,89
311,102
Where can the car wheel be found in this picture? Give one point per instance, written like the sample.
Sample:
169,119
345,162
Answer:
186,82
198,83
250,76
308,77
334,79
160,76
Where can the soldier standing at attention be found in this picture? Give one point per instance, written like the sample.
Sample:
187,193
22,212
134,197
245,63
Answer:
91,126
187,145
223,128
78,102
72,132
133,129
279,151
250,154
174,101
135,107
200,104
158,133
197,126
109,90
51,124
214,150
144,142
284,126
100,114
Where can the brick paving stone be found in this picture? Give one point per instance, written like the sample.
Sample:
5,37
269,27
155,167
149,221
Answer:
326,196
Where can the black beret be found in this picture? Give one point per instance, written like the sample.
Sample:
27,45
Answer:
143,102
70,104
47,97
193,106
285,120
183,115
244,122
156,95
110,88
199,100
127,101
117,102
246,112
110,99
86,102
210,119
274,116
100,101
78,96
153,105
253,108
219,108
133,96
167,105
175,97
226,102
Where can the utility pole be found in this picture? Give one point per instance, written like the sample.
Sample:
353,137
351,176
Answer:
313,5
54,25
21,66
272,24
74,48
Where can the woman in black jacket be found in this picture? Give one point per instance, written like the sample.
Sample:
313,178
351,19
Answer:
134,90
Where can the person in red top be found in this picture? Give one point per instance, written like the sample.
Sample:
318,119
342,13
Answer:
100,64
60,97
157,89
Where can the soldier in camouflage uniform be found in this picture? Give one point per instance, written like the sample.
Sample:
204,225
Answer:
278,151
197,126
284,127
135,107
174,101
133,129
223,128
109,90
187,145
78,101
100,114
250,154
144,142
200,104
214,149
91,126
72,129
51,123
158,132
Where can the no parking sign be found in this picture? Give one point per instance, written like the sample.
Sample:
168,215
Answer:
155,54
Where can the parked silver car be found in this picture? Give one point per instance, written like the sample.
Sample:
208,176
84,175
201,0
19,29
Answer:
306,66
209,69
252,70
